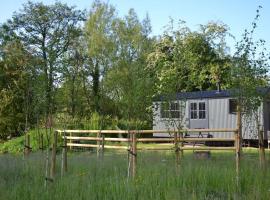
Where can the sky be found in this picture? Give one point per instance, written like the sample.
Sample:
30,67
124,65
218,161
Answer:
237,14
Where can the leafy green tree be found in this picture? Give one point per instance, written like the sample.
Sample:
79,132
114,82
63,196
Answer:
15,90
72,97
47,31
187,61
99,36
250,80
127,82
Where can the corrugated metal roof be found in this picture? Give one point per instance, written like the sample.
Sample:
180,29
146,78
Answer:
203,94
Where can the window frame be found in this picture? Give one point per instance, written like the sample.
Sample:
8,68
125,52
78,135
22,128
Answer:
232,106
196,110
193,110
202,110
172,110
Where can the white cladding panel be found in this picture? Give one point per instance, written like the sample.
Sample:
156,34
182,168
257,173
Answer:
219,117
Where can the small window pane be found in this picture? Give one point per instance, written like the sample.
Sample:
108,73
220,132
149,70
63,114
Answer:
175,114
201,106
193,106
201,114
170,110
232,106
164,110
165,106
193,111
193,115
174,106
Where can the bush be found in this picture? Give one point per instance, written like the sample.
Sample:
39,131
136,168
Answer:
16,145
95,122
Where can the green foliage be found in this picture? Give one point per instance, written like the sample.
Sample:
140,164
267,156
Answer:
15,73
49,29
250,70
99,36
98,122
127,82
95,122
44,32
13,146
16,145
187,61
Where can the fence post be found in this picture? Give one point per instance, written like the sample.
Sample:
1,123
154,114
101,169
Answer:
176,142
239,129
130,142
53,158
27,147
70,141
176,146
181,139
103,142
134,152
261,146
47,167
64,155
237,144
177,149
42,145
237,156
98,142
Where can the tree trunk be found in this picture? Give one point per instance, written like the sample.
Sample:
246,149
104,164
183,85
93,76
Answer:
87,96
72,97
95,76
45,70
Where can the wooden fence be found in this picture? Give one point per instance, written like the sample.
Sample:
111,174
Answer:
133,137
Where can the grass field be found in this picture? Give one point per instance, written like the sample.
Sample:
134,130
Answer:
158,177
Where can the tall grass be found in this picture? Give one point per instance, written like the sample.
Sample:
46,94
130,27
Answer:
158,177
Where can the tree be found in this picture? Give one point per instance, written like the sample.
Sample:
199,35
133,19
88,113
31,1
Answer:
187,61
250,76
99,36
70,96
15,91
46,31
127,82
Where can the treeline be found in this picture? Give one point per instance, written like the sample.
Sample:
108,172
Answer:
61,64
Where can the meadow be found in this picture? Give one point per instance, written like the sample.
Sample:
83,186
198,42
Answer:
158,177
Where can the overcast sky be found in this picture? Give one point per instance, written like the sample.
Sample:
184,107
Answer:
237,14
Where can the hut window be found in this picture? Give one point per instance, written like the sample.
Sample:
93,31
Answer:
202,110
164,110
197,110
232,106
170,110
174,110
193,111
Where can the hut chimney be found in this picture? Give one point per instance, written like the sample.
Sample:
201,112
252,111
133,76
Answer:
218,86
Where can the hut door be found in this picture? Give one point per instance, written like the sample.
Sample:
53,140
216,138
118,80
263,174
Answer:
198,114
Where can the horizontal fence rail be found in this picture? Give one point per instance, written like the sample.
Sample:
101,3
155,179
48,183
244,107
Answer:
96,146
146,131
175,137
151,139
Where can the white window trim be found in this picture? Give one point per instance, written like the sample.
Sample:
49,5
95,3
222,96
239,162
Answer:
198,110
